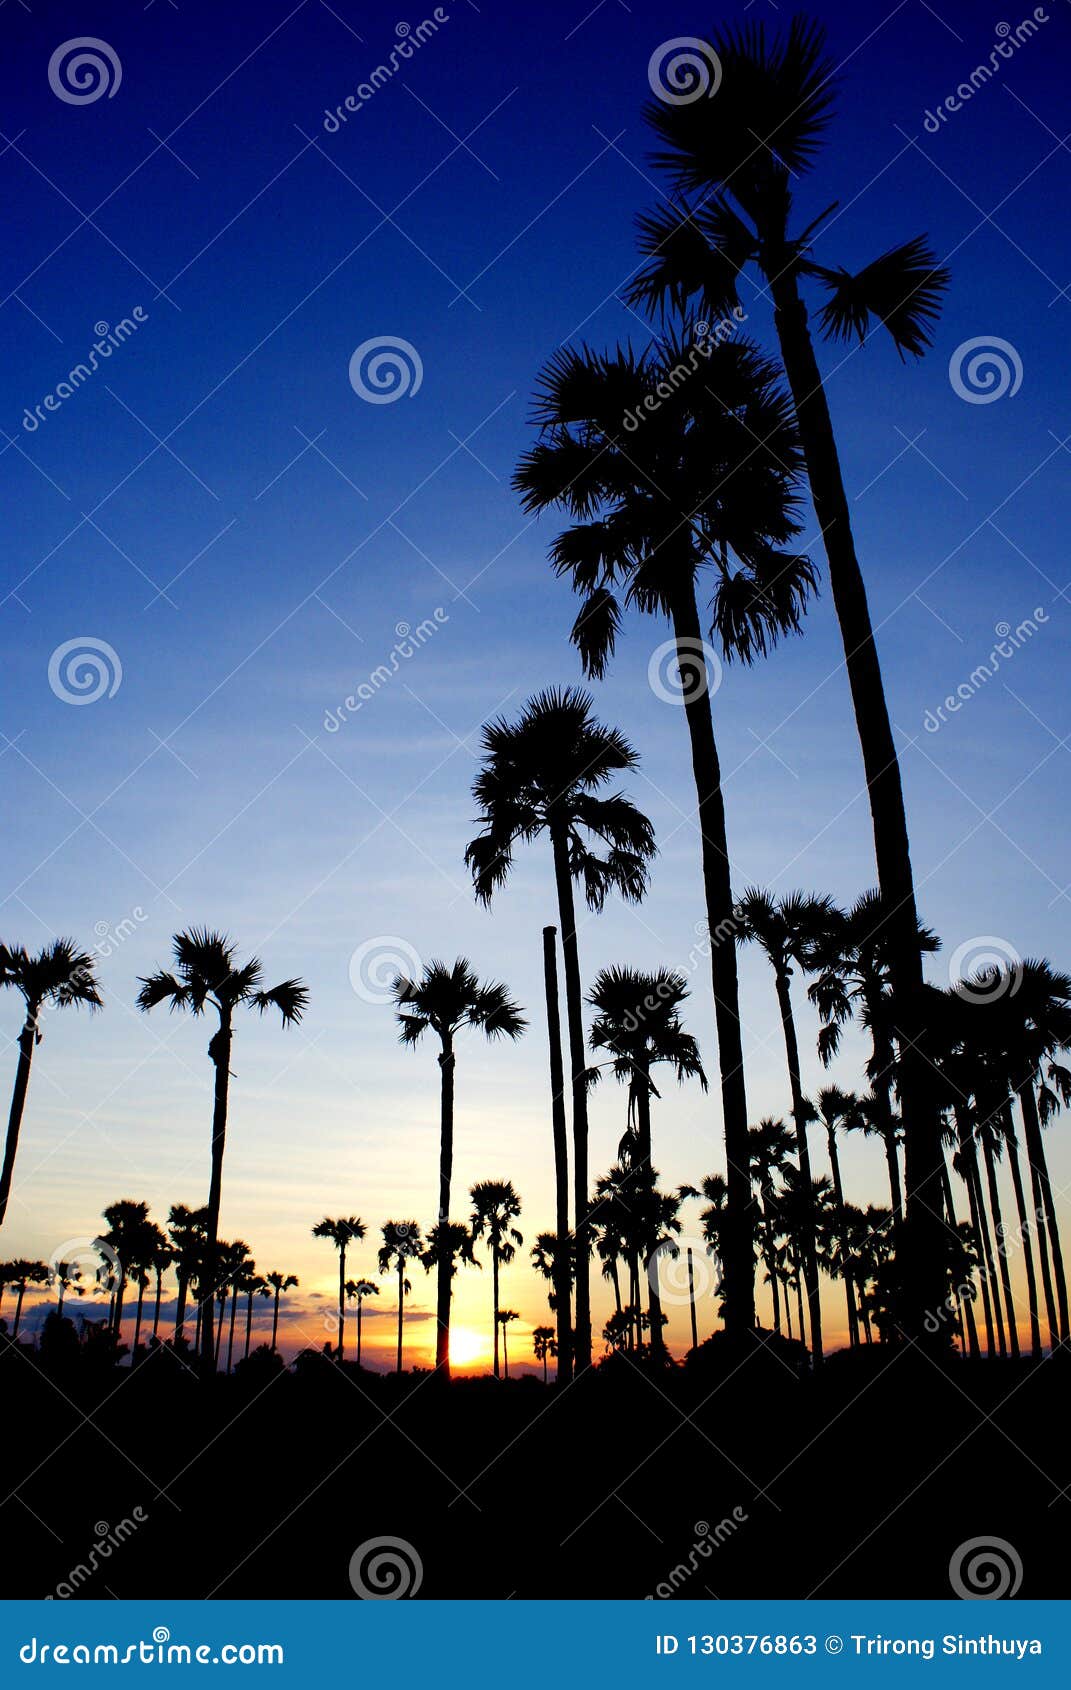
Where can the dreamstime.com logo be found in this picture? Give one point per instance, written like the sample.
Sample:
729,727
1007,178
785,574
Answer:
1009,641
681,671
408,42
84,669
985,1569
84,69
684,70
386,368
408,642
158,1651
108,340
708,1538
984,369
385,1569
377,963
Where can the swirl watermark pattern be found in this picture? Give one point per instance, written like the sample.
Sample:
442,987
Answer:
681,671
985,369
985,1569
386,368
684,70
677,1282
84,69
984,969
385,1569
88,1262
377,963
82,670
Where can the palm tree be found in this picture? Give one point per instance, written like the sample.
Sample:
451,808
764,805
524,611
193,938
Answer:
207,975
495,1204
255,1286
544,1344
21,1273
186,1229
279,1283
65,1276
235,1267
60,975
127,1223
503,1317
357,1290
740,155
342,1234
448,1245
148,1242
699,499
786,929
553,1257
163,1257
547,773
638,1021
559,1137
443,1001
771,1144
401,1244
835,1108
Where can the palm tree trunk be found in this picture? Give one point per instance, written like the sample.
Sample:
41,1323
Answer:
219,1051
18,1313
803,1158
990,1293
643,1133
1024,1227
615,1281
494,1295
180,1307
691,1300
137,1322
248,1323
117,1310
892,1162
922,1244
969,1175
26,1041
505,1354
341,1299
847,1266
964,1294
738,1264
769,1255
562,1280
275,1319
578,1070
156,1307
1035,1150
360,1311
401,1306
998,1233
444,1272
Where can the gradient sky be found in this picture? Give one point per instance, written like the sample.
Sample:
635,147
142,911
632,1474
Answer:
221,508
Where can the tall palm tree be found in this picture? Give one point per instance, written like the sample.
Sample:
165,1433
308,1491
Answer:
448,1246
504,1317
357,1290
734,162
697,504
280,1283
127,1221
544,1344
149,1243
207,975
786,929
547,773
65,1276
60,976
342,1234
554,1257
163,1257
560,1140
495,1206
255,1286
835,1108
638,1021
444,1000
186,1229
20,1274
235,1267
402,1243
771,1145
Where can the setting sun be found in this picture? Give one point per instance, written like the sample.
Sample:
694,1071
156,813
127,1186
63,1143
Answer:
467,1346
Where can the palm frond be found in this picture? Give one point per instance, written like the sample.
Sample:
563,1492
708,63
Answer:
904,289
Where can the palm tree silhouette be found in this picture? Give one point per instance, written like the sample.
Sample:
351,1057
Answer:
771,1145
163,1257
280,1283
544,1344
443,1001
127,1222
786,930
637,1020
342,1234
554,1258
503,1317
402,1243
208,976
62,976
357,1290
448,1245
835,1109
559,1137
186,1229
494,1205
20,1274
65,1276
741,154
546,773
701,496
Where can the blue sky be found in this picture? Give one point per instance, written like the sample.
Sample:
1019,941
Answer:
221,508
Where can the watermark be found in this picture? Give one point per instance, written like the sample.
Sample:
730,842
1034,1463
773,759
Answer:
985,1569
707,339
385,1569
377,963
681,671
110,938
727,931
409,642
108,339
1005,47
84,669
673,1280
107,1540
385,369
408,43
984,969
985,369
1009,641
684,70
157,1651
89,1263
84,69
708,1538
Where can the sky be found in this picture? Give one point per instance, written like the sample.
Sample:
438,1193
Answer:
242,537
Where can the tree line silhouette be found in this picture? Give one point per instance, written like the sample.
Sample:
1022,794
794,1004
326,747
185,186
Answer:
691,516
